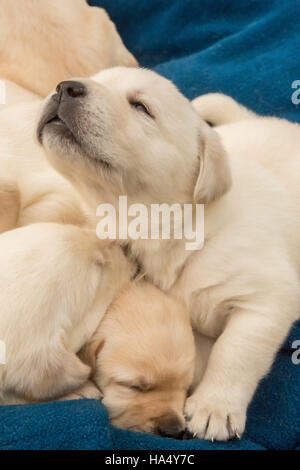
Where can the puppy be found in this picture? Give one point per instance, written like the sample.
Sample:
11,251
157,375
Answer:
30,190
44,42
143,361
131,132
56,284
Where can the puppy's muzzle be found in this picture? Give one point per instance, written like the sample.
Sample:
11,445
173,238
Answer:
170,426
62,107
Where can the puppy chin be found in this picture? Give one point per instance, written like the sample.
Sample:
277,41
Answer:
147,428
59,142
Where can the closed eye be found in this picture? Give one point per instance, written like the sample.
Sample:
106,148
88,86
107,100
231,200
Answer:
141,107
138,387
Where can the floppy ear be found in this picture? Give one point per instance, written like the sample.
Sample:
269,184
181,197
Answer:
214,178
88,354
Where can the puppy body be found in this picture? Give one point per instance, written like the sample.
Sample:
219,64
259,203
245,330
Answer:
242,288
45,42
143,357
56,284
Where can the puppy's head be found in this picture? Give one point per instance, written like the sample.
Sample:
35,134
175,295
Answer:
144,361
130,131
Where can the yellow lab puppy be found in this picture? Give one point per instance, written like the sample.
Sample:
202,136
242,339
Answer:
143,358
44,42
56,284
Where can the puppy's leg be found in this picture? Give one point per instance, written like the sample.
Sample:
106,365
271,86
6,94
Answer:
9,205
219,109
241,357
204,346
88,390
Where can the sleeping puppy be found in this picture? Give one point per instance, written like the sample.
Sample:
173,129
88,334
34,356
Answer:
143,361
44,42
56,284
131,132
30,190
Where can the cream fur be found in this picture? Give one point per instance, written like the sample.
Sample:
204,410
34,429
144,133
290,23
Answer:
43,42
15,94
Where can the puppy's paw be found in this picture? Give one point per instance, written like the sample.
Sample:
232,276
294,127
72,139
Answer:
88,390
214,419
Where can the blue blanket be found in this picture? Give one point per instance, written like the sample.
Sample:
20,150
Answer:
249,50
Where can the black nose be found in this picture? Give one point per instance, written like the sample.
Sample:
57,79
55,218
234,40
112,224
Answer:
71,89
171,427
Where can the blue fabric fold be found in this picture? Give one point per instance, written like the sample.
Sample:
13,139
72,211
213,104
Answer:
249,50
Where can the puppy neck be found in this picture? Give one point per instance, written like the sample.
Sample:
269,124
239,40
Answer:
160,261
